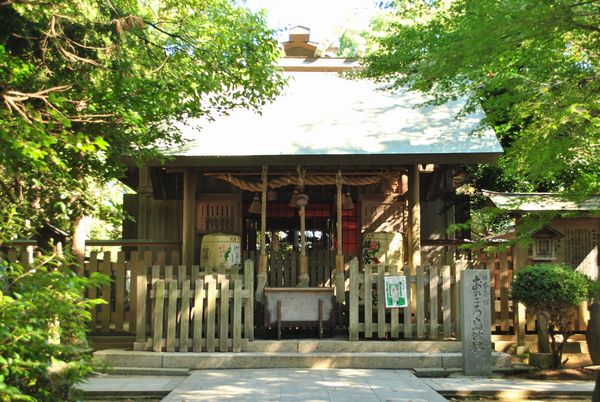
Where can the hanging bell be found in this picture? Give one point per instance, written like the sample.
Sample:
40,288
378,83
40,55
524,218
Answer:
255,206
301,200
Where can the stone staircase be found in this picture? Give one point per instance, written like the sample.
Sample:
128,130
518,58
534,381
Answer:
440,355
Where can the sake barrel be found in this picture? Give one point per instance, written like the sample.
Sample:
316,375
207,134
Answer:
220,252
382,248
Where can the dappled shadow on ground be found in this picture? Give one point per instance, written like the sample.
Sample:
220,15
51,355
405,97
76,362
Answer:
573,370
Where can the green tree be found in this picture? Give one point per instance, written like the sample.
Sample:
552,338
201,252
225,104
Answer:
85,84
552,292
532,66
43,321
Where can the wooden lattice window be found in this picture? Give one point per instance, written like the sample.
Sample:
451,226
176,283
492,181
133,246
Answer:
542,249
544,243
219,213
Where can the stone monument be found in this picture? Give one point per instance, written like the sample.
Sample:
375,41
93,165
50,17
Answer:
476,322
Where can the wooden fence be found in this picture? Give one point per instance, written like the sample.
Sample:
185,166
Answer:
194,310
505,319
500,265
433,309
433,314
432,296
118,314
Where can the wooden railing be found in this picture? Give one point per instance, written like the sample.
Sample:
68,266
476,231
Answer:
282,267
432,296
194,310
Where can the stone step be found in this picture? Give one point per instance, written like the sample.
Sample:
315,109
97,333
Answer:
146,371
343,346
249,360
99,342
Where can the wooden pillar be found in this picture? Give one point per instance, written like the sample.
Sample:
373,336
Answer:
143,194
263,213
189,216
261,277
262,261
450,251
414,220
414,244
520,255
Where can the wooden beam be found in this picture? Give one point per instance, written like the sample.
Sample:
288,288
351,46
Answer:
286,172
344,161
414,219
189,216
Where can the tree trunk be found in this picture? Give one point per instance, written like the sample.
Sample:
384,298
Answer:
543,334
81,227
557,349
593,332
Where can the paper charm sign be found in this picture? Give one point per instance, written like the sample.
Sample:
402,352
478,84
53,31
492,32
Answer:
395,291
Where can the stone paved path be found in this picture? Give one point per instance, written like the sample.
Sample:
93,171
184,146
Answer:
510,388
303,385
130,384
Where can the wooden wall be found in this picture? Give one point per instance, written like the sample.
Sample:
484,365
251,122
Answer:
437,214
156,219
579,247
219,210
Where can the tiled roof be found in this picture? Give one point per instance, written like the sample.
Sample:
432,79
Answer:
539,202
322,113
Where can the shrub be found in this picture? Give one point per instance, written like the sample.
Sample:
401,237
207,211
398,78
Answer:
43,321
594,292
552,292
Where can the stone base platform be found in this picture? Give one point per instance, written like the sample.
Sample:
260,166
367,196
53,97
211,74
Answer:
250,360
345,346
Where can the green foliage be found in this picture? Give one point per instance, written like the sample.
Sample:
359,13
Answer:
85,85
549,287
43,317
532,66
553,292
352,44
594,292
107,222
